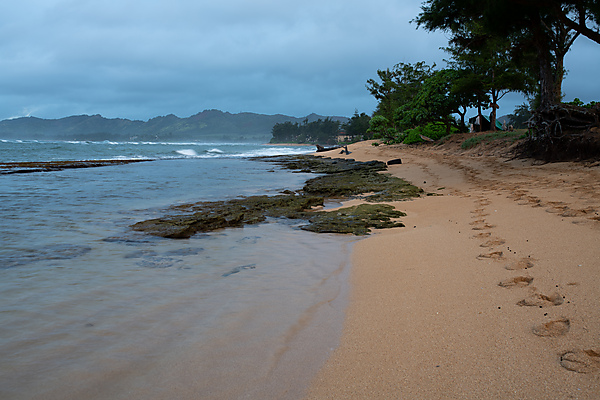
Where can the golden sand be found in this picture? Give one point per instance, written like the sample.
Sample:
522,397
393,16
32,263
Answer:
491,291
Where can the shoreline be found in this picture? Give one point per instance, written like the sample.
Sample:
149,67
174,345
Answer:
491,290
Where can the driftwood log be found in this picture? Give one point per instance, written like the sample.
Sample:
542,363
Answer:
321,149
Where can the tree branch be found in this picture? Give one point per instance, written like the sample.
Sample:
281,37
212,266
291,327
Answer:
580,26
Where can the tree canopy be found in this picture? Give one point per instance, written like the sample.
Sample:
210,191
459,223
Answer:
398,86
547,27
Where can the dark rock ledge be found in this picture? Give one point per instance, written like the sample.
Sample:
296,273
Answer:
340,179
48,166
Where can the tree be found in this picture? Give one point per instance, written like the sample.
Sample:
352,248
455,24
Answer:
544,25
379,128
358,125
581,16
398,86
434,102
285,132
488,67
320,131
520,116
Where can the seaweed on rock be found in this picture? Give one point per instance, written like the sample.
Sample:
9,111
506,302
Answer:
341,179
356,220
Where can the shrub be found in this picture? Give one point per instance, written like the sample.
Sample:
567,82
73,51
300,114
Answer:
433,130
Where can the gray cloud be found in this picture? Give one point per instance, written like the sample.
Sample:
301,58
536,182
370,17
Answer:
139,59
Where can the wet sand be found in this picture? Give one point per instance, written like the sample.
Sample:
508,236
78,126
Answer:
492,290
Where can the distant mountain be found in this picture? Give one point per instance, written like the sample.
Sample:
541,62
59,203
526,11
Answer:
209,125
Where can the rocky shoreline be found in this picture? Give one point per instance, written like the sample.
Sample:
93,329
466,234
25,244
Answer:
340,179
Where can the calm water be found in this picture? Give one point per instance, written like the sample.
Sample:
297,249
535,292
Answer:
89,309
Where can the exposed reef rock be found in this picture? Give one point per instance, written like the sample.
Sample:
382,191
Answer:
49,166
190,219
345,178
356,220
342,179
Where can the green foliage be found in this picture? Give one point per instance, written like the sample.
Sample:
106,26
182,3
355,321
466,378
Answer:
397,87
577,102
434,131
434,102
379,129
320,131
544,28
488,137
414,95
490,69
378,124
358,126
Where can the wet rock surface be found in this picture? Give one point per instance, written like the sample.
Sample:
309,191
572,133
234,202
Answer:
341,179
49,166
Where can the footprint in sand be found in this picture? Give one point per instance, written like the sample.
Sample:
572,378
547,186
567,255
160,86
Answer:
532,201
494,255
517,194
542,300
581,361
557,209
480,212
523,263
482,227
477,222
517,281
482,235
492,243
570,213
555,328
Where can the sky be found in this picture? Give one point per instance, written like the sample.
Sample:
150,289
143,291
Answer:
138,59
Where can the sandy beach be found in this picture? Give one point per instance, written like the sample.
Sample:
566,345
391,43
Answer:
491,291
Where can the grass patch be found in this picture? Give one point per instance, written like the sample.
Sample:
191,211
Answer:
489,137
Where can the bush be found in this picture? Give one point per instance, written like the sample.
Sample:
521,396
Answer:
433,130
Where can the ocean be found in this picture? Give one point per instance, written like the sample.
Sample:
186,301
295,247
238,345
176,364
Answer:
90,309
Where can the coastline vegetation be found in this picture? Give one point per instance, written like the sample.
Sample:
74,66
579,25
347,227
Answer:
495,47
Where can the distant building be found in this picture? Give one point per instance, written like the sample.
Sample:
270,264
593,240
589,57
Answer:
343,137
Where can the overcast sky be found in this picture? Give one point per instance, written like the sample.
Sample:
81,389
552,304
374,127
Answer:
139,59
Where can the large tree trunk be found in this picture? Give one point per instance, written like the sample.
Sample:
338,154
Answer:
547,87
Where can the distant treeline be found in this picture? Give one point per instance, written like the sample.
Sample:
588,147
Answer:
321,131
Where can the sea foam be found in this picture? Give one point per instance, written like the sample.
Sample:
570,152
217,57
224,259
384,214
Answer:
187,152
